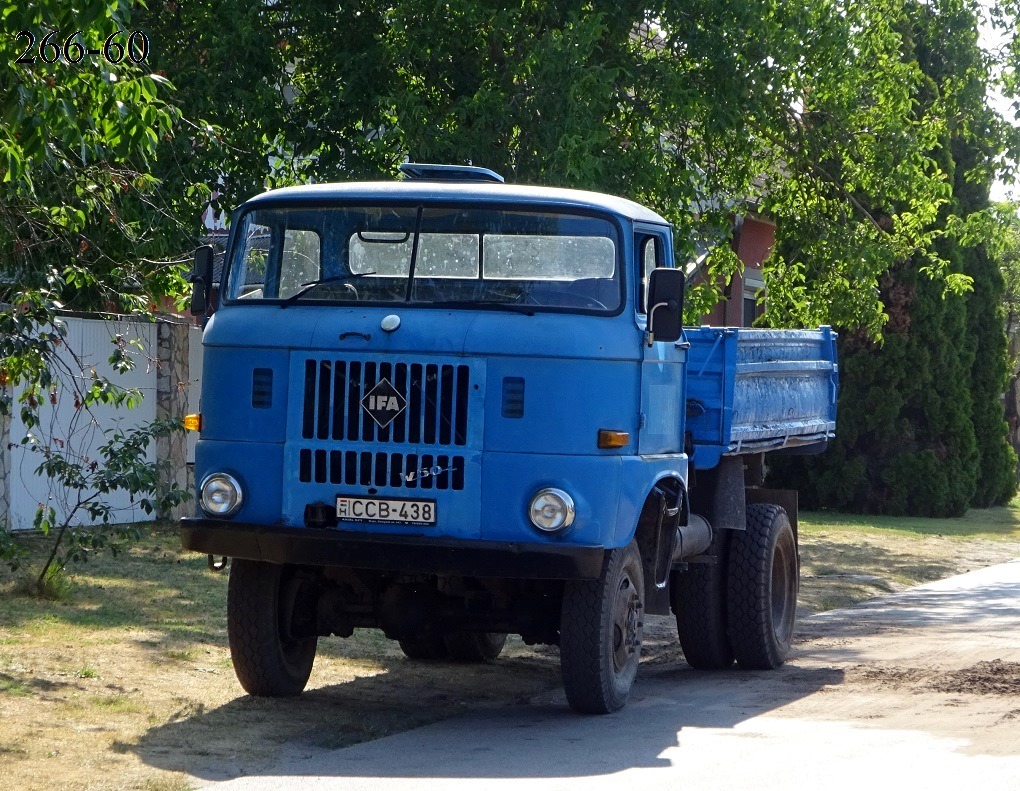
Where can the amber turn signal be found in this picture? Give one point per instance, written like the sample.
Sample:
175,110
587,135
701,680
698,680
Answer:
613,439
193,422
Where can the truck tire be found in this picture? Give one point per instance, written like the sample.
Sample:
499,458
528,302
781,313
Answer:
698,598
762,592
474,646
262,599
600,633
428,648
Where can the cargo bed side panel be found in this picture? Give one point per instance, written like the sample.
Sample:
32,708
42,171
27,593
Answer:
758,390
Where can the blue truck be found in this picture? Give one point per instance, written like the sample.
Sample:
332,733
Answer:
454,409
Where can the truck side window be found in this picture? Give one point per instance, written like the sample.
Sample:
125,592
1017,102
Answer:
651,257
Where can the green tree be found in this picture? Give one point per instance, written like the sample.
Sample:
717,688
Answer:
692,107
950,54
228,61
1005,250
82,212
921,426
84,224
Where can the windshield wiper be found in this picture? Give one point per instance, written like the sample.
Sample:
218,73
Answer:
306,287
470,303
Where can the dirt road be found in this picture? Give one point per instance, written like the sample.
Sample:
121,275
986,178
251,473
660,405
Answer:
919,689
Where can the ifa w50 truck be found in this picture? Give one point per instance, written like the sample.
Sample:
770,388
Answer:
454,409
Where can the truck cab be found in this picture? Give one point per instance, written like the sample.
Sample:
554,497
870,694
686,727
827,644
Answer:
453,408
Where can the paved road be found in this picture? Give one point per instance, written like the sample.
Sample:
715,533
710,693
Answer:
917,690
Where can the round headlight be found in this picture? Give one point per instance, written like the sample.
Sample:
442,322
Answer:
551,510
221,495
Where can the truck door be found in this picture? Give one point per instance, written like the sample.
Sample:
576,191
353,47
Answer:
662,369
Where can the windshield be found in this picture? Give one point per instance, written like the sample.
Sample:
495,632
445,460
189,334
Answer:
488,257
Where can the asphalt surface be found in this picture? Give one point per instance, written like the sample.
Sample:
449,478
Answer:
916,690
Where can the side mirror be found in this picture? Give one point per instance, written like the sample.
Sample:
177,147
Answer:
665,304
201,280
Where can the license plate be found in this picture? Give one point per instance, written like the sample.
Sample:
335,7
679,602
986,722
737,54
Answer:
385,511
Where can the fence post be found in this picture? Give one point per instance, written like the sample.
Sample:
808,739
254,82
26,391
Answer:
173,379
5,472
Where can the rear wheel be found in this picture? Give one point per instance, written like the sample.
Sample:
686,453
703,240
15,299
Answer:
698,597
474,646
600,633
272,643
429,647
762,592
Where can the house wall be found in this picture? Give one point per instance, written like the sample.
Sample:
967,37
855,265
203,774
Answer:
757,236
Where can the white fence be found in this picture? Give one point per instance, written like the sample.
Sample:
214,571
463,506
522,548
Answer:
160,364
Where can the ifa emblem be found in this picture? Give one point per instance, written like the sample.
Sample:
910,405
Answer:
383,403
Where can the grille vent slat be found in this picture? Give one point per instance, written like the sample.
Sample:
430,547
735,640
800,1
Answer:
324,388
308,422
339,399
437,398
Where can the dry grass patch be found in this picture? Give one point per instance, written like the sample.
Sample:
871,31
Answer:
846,559
126,682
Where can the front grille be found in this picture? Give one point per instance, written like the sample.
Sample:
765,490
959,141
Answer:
397,470
436,396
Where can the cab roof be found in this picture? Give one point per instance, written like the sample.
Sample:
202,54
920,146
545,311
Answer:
426,191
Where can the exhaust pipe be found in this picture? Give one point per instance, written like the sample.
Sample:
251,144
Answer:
693,538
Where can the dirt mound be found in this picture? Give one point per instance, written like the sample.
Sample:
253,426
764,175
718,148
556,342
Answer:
984,678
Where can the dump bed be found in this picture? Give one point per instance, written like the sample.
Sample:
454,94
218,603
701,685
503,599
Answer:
750,391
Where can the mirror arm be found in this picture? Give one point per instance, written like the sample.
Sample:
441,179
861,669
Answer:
650,333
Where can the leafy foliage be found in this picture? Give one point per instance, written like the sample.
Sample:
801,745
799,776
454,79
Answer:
905,442
83,223
82,213
807,111
1005,251
921,428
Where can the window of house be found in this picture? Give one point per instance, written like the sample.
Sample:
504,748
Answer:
750,308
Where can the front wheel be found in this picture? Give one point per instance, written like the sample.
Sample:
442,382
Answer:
764,577
272,644
600,633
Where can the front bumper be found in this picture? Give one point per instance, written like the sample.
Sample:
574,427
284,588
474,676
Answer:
396,553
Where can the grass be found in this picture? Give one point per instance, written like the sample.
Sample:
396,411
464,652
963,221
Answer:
847,558
124,681
54,585
10,685
168,784
994,524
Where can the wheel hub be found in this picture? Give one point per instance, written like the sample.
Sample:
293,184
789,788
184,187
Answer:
784,593
626,623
